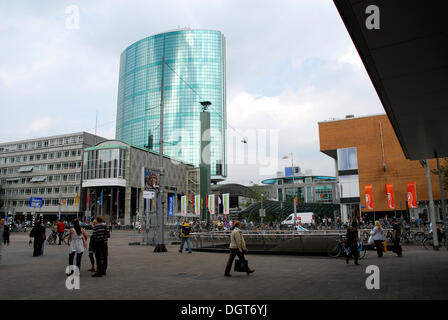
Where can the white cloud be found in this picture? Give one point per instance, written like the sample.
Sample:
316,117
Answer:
290,64
39,126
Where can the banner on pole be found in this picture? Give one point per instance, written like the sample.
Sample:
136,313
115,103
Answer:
226,202
183,203
368,190
412,196
390,196
197,204
211,203
171,206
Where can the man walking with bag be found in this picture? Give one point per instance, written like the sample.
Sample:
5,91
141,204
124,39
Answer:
237,248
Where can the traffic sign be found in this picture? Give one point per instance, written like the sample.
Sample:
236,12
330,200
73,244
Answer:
36,202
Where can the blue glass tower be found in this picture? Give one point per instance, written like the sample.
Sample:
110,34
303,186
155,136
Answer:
194,71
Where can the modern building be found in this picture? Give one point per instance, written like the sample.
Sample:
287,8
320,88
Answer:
48,168
118,179
367,152
194,71
308,188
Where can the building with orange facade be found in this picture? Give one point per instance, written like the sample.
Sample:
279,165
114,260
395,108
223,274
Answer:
367,153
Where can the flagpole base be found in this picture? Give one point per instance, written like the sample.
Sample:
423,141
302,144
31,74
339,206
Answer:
160,248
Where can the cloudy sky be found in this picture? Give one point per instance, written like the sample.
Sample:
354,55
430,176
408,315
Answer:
290,64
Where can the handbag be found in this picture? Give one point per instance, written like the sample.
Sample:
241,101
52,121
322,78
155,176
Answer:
240,267
370,241
384,243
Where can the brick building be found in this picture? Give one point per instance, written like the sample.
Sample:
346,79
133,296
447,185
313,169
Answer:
367,152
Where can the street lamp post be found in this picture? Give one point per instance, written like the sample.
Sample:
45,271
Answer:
262,212
160,246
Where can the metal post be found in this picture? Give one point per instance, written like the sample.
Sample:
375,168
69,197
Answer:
295,216
431,208
442,191
111,212
160,245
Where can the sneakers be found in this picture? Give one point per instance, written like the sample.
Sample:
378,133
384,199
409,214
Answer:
227,275
250,271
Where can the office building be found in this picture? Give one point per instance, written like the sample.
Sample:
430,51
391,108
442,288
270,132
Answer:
194,71
368,155
48,168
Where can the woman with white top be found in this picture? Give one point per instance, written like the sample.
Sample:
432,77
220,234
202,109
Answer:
378,238
77,241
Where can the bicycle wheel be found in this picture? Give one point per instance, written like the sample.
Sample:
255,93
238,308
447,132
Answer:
334,249
419,236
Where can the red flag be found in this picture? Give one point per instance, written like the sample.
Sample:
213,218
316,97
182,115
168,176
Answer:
390,196
369,196
87,204
412,196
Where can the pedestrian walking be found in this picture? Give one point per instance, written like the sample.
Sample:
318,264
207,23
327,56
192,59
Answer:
378,238
61,230
77,243
38,234
186,229
352,240
4,236
397,235
92,252
100,235
237,248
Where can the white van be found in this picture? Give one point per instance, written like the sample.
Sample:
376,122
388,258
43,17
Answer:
302,218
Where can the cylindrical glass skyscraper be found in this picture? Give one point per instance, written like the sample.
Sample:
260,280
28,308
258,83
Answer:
194,71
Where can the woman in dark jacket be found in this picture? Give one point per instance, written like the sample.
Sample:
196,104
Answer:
352,240
38,233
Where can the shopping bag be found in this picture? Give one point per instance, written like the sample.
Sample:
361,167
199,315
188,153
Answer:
370,241
239,266
384,246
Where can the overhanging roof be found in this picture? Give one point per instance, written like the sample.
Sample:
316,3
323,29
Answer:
407,61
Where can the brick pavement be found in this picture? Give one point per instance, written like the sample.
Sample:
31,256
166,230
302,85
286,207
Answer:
135,272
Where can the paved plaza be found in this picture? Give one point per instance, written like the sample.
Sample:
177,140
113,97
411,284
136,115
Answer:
135,272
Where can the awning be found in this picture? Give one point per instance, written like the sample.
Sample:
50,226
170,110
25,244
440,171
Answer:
38,179
26,169
407,61
12,179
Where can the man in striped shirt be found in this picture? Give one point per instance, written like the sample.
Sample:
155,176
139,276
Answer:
99,238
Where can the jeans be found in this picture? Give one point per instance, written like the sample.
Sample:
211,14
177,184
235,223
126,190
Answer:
397,247
379,247
101,258
71,256
61,237
187,239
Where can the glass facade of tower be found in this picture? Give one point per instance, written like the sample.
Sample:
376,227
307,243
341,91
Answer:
194,71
